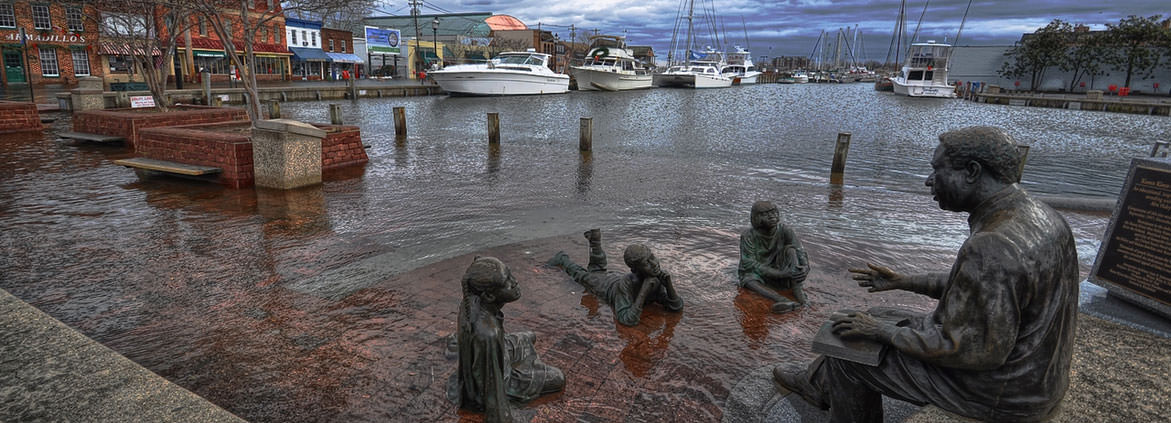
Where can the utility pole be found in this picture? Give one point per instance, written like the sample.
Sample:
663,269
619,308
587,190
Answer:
572,41
415,14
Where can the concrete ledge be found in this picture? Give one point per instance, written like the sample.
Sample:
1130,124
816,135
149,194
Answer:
50,372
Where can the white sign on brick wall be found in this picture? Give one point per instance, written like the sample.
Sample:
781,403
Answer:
140,101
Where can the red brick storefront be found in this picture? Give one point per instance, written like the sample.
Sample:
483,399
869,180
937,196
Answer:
59,47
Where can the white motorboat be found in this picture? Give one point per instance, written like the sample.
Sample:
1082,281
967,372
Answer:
610,66
694,75
800,77
925,72
740,67
510,73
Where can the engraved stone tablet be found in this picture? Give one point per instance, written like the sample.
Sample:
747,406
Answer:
1134,261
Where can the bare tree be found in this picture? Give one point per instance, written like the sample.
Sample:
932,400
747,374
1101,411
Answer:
237,22
146,31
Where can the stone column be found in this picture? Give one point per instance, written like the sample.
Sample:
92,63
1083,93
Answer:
286,154
88,94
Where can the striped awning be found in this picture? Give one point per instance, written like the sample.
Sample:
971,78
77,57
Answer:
123,49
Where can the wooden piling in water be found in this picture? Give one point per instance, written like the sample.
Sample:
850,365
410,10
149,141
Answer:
586,140
838,169
400,122
335,114
1023,150
274,109
493,128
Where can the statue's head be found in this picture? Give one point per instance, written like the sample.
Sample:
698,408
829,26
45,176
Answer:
641,260
491,280
765,216
971,161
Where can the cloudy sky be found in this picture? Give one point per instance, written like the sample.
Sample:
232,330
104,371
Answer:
791,27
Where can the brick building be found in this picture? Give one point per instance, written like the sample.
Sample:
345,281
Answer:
59,42
207,50
339,46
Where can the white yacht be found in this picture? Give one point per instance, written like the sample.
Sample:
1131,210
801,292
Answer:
925,72
510,73
800,77
693,75
610,66
740,67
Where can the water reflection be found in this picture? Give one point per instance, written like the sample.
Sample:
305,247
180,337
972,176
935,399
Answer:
493,165
647,343
297,212
585,172
836,196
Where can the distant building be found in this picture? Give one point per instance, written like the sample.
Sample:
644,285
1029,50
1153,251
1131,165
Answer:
460,36
339,46
60,44
309,60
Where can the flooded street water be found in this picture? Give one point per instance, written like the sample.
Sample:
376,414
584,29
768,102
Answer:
331,303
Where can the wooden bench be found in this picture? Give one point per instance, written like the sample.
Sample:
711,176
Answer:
91,137
168,167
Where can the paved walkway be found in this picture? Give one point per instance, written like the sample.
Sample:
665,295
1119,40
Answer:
50,372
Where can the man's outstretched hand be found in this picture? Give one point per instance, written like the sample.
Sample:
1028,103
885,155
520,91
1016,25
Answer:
878,278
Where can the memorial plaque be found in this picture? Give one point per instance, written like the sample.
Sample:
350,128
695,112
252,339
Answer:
1134,261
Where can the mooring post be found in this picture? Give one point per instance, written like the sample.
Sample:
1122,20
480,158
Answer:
493,128
838,169
274,109
586,143
335,114
353,87
1023,151
205,78
400,122
217,101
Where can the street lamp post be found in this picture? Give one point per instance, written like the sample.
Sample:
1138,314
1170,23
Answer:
435,37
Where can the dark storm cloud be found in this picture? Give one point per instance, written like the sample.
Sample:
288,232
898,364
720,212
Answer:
791,27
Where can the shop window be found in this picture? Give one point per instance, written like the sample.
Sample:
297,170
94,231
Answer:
314,35
80,63
73,19
304,36
120,64
330,45
294,37
215,65
202,26
7,15
49,62
41,19
276,33
343,50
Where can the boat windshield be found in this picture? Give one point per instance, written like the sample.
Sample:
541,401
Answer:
519,59
929,56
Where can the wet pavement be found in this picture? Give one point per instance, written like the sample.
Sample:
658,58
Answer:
332,303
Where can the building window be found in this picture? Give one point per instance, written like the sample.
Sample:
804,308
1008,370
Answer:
73,19
41,19
80,63
120,64
7,15
343,46
49,62
330,45
294,37
202,26
314,39
263,35
276,33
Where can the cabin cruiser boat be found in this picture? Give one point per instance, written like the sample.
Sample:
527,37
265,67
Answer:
740,68
693,75
610,66
510,73
800,77
925,72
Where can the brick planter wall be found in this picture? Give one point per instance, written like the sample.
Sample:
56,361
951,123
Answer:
341,147
228,146
128,123
205,146
19,117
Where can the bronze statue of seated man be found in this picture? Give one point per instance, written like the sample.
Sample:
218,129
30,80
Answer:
495,366
772,258
626,293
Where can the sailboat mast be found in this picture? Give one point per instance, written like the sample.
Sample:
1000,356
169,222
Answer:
690,16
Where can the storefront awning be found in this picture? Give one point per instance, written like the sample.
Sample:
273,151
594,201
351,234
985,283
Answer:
122,49
208,53
306,54
345,58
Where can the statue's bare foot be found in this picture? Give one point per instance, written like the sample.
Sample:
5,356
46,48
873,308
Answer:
593,235
785,307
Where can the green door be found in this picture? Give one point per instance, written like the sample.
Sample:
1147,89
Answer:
13,66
